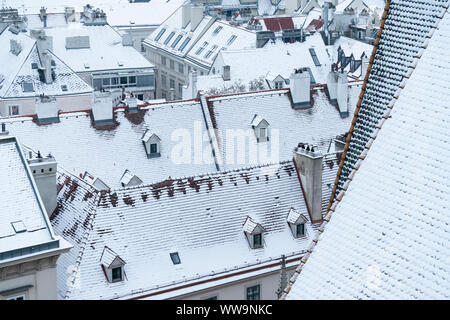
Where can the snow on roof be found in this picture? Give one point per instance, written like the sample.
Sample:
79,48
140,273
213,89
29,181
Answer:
318,124
403,32
64,76
227,38
127,176
295,217
120,147
23,216
210,209
118,12
105,51
257,120
280,58
389,235
352,46
108,257
250,225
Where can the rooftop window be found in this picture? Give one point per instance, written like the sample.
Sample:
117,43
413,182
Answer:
231,40
34,65
184,44
169,37
160,33
314,57
117,274
217,30
175,42
27,87
210,51
175,258
64,87
199,50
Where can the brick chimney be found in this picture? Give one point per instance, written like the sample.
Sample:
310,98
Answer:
44,173
300,86
308,161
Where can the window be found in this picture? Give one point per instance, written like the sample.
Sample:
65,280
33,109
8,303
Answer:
217,30
175,258
175,42
300,230
123,80
232,38
117,274
27,87
160,34
180,89
262,132
153,148
114,81
312,52
172,64
199,50
169,37
212,298
210,51
163,60
184,44
257,240
132,80
278,84
13,110
163,81
106,81
172,83
181,68
253,293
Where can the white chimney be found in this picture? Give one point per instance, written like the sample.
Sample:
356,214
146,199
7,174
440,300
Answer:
342,94
127,40
293,5
196,16
364,66
300,86
172,94
132,104
226,73
190,90
44,174
46,109
69,14
15,47
185,15
308,161
46,61
332,81
102,108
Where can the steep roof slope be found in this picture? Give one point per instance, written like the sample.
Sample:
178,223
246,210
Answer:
406,26
389,236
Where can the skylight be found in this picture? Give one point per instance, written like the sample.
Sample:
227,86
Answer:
34,65
314,57
199,50
175,258
217,30
210,51
184,44
160,34
64,87
232,38
177,39
169,37
27,87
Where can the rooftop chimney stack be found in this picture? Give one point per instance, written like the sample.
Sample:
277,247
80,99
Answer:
46,109
69,14
226,73
44,44
196,16
44,173
185,15
43,16
102,108
342,94
300,86
308,161
15,47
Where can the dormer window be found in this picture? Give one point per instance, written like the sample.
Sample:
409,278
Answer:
112,265
254,233
129,179
297,223
152,144
261,128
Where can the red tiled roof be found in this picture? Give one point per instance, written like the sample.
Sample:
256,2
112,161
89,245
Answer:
277,24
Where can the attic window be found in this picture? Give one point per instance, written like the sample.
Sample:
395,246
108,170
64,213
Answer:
86,65
169,37
261,128
210,51
64,87
120,63
232,38
152,144
53,63
113,265
314,57
297,222
175,42
117,274
217,30
160,34
184,44
34,65
175,258
19,226
199,50
254,233
300,230
27,87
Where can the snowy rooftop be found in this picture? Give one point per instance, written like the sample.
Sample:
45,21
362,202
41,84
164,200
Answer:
319,124
24,219
120,147
352,46
389,236
210,209
105,51
118,12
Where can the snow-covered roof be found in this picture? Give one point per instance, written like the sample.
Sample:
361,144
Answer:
295,217
118,12
127,177
142,225
24,222
120,147
280,58
250,226
319,124
400,41
352,46
108,257
388,237
104,53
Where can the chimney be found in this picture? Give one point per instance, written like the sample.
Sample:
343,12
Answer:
185,15
226,73
46,110
325,17
3,131
15,47
44,44
43,16
364,66
332,81
300,86
308,161
172,94
127,40
196,16
46,64
69,14
342,94
102,108
132,104
44,173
